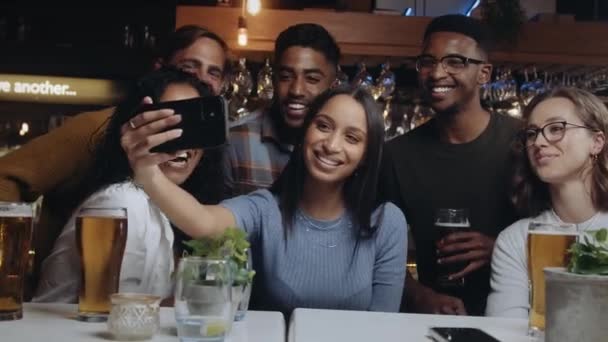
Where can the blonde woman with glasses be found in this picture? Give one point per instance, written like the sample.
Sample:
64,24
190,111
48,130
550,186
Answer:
562,177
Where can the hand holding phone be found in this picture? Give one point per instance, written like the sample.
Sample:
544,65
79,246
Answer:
446,334
204,123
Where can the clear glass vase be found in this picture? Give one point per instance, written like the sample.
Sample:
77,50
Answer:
203,299
243,305
244,293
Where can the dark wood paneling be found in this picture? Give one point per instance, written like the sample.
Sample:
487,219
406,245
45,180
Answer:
363,34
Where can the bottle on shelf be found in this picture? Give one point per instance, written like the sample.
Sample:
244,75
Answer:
148,40
128,38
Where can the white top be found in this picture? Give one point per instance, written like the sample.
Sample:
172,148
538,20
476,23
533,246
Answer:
56,322
510,292
147,263
313,325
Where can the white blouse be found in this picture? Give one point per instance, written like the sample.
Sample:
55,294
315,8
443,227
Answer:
147,263
510,295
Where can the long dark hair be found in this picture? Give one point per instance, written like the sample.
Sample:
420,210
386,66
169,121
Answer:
529,193
360,189
110,164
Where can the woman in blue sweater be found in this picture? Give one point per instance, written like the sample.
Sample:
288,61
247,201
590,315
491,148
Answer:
318,239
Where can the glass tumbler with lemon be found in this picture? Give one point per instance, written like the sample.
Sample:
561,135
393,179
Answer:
203,299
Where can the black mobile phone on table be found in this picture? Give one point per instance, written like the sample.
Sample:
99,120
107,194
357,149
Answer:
204,123
447,334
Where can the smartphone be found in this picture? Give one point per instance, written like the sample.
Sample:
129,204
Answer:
445,334
204,123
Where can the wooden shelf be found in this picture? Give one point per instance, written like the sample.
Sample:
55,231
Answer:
376,37
356,33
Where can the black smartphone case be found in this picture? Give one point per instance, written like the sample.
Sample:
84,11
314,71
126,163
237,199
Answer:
204,123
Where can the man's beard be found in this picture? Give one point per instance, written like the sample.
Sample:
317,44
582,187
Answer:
448,112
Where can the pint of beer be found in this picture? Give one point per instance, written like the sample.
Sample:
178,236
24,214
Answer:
547,247
101,236
448,221
16,220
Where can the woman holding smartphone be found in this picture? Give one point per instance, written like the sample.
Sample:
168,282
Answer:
148,257
318,238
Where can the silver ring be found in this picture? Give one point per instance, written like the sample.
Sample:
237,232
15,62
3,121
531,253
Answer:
132,124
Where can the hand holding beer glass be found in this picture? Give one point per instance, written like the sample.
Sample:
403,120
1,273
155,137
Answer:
16,223
548,245
448,221
101,236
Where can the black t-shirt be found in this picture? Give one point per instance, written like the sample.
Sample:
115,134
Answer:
421,174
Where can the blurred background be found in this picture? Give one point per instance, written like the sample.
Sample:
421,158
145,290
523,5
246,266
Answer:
92,50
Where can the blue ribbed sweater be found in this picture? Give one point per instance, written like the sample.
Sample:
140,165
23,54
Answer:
318,265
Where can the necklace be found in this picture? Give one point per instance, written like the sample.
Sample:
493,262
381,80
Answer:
327,235
320,226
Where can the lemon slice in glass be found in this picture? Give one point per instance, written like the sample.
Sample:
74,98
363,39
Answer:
213,328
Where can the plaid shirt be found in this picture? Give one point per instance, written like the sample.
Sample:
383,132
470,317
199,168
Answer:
255,157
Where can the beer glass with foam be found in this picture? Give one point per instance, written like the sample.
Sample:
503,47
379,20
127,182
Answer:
101,236
548,245
448,221
16,222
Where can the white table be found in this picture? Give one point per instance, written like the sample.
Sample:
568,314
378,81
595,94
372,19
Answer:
307,325
57,323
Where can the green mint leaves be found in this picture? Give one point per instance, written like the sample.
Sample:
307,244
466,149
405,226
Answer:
590,254
231,245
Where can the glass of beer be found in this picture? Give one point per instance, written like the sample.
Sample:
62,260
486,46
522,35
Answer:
448,221
548,245
16,222
101,236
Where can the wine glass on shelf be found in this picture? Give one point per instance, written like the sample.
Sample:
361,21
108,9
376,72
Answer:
242,85
386,81
531,87
420,115
265,88
384,89
341,77
362,78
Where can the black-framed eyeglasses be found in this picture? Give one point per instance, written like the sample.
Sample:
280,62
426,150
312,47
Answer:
553,132
452,64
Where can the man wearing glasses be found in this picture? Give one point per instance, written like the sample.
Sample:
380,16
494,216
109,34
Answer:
457,160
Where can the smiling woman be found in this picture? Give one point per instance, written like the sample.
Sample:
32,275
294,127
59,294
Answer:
562,178
335,142
148,258
341,150
318,237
